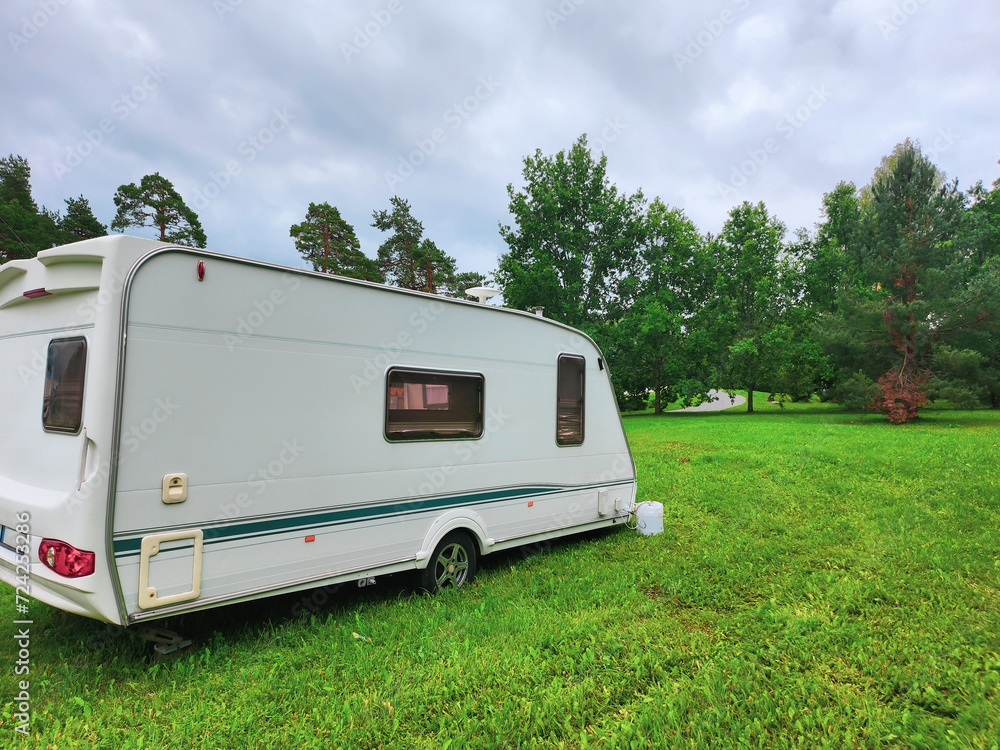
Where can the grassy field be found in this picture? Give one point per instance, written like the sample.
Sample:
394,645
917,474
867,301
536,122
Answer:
824,580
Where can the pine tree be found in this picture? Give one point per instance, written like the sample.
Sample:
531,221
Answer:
904,330
406,258
15,182
155,203
24,229
462,281
79,222
329,243
435,269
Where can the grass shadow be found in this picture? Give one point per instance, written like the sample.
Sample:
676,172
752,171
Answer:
244,623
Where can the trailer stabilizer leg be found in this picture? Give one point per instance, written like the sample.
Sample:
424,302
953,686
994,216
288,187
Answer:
165,641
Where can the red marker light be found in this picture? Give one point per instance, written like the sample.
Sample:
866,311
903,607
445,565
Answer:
311,538
531,503
36,293
201,270
65,559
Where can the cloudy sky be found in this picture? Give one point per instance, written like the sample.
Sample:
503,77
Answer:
254,109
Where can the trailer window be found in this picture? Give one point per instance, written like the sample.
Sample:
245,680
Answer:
62,400
570,393
430,405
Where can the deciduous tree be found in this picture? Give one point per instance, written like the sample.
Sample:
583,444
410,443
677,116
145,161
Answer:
573,240
657,344
748,298
981,231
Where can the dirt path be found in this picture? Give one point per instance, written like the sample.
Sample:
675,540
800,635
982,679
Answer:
718,400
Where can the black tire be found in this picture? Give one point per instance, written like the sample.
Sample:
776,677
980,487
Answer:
453,564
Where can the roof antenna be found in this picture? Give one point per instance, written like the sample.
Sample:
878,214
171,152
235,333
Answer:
482,293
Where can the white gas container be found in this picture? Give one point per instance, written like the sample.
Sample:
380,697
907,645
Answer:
649,517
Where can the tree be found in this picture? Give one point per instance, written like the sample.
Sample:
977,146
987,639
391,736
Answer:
435,269
155,203
463,281
406,258
15,182
657,347
329,243
982,223
395,255
79,222
748,300
981,232
831,259
574,238
903,327
24,229
18,232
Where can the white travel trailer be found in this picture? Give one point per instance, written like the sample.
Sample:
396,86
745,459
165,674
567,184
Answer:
183,429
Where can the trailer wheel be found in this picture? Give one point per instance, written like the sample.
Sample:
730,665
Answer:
453,564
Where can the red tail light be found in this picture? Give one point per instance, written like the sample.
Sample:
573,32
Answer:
65,559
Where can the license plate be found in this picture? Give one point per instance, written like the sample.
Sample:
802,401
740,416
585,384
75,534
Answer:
8,538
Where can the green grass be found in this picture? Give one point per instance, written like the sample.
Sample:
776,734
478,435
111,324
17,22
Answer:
824,580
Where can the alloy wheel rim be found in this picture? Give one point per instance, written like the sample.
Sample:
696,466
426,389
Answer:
452,566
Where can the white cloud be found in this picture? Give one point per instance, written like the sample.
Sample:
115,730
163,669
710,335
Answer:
356,117
761,30
744,97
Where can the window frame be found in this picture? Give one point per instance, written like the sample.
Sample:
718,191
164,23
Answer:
47,392
566,356
427,436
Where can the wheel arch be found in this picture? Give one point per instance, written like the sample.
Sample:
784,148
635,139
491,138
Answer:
454,520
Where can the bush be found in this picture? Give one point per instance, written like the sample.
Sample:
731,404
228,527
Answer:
856,393
902,394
